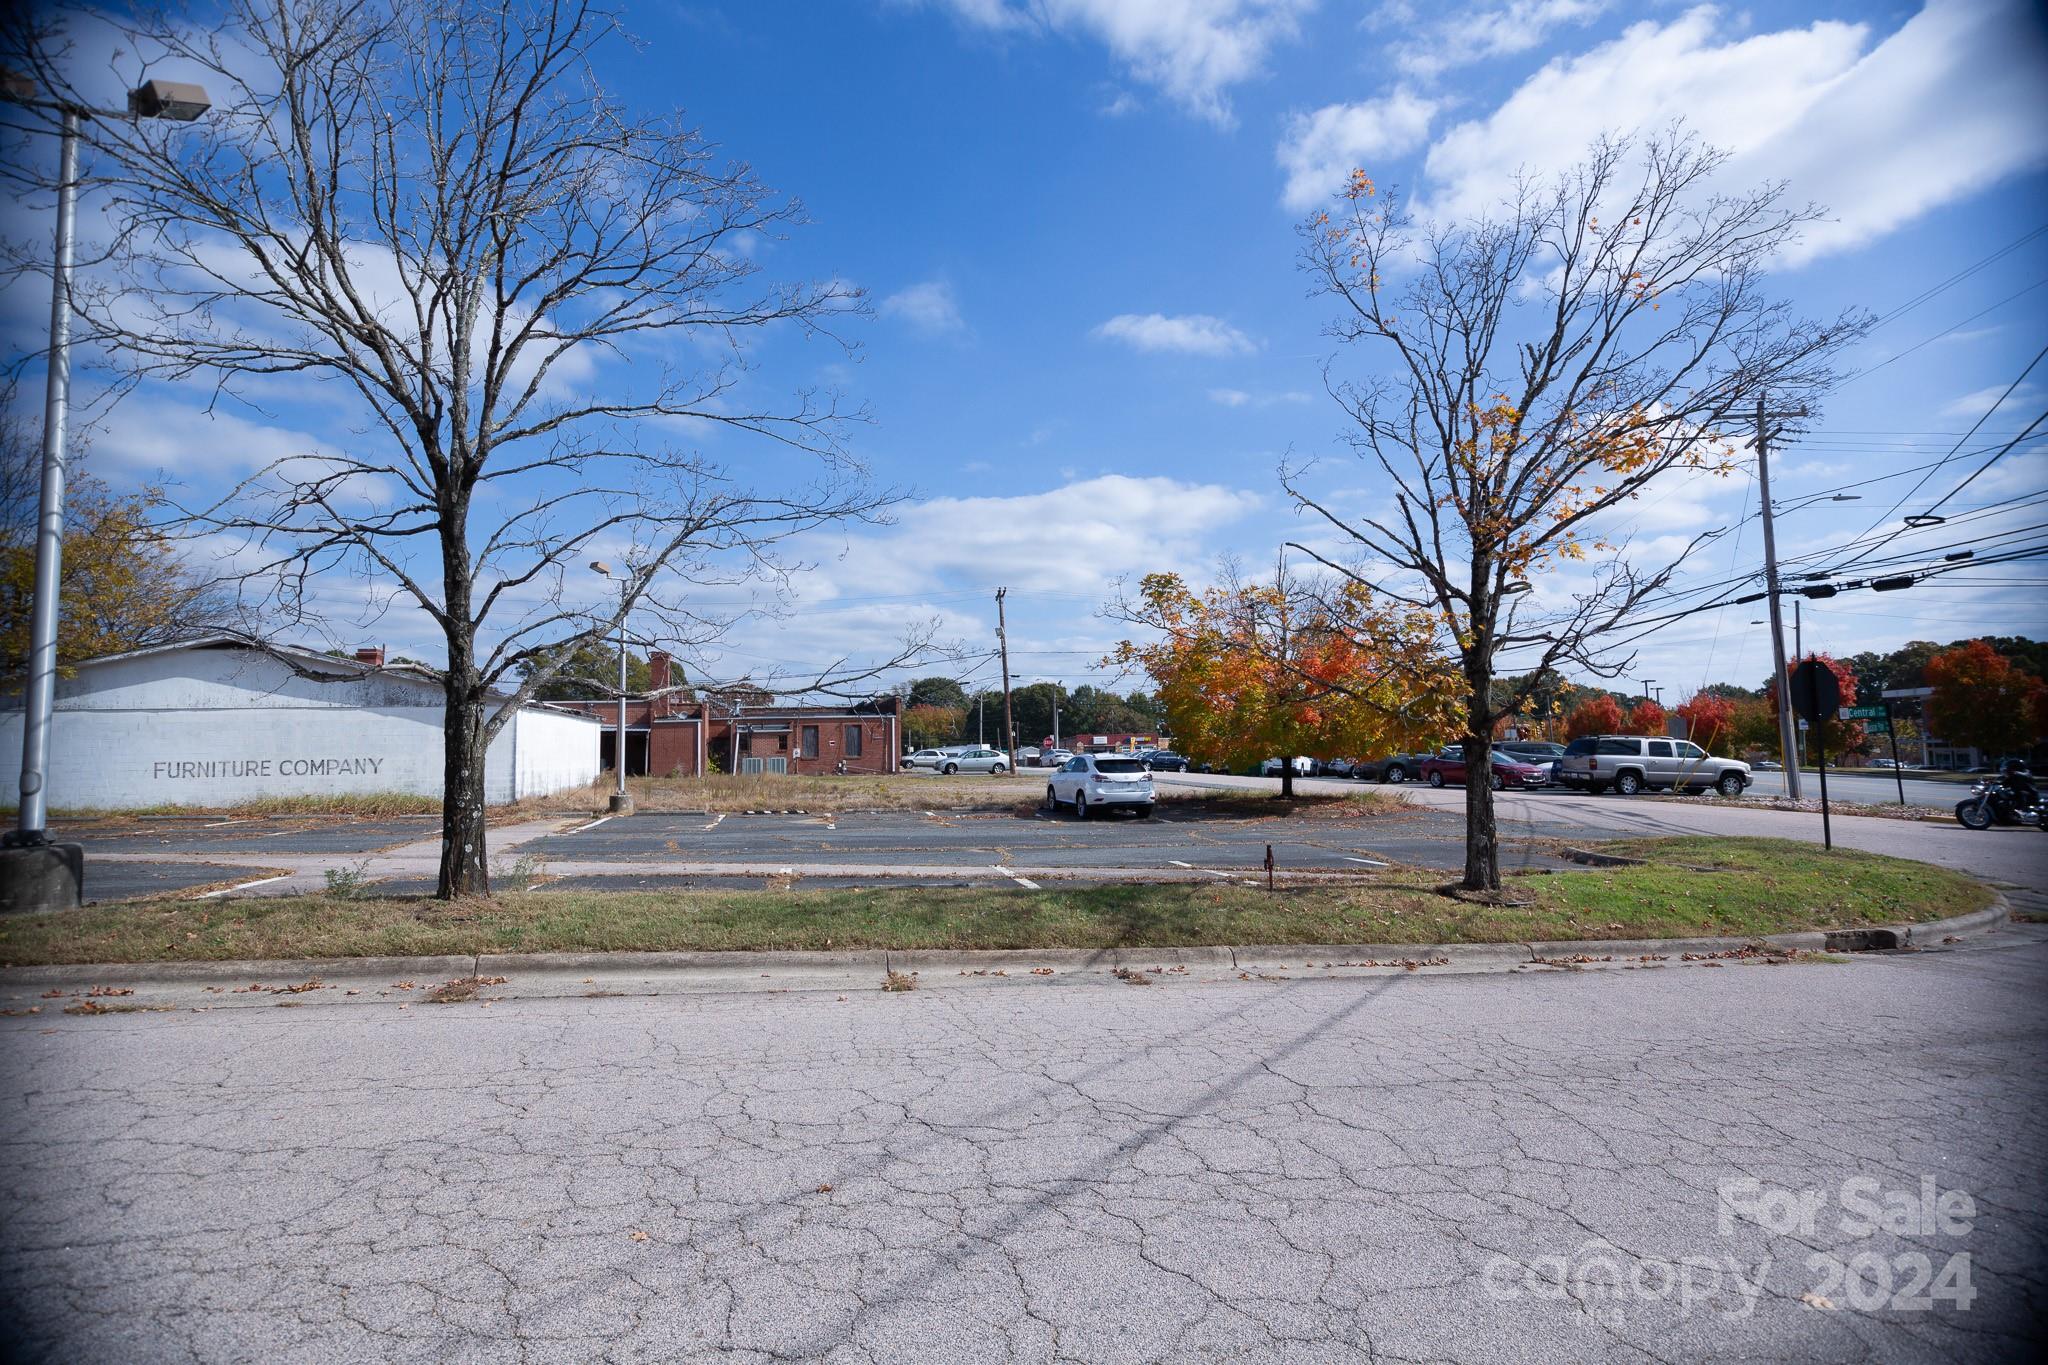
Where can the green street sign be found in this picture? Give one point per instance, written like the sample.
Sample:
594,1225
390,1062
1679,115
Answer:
1863,713
1877,727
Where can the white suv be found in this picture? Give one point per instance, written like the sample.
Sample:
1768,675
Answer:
1091,782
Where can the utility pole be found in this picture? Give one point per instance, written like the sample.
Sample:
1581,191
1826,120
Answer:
1003,643
1787,748
1055,715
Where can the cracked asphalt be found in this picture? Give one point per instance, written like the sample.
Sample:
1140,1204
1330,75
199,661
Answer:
1503,1168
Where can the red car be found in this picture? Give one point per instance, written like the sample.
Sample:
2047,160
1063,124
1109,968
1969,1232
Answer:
1447,768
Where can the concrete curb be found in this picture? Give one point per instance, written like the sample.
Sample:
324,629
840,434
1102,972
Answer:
861,968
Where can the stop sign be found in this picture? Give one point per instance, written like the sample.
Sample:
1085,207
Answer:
1816,692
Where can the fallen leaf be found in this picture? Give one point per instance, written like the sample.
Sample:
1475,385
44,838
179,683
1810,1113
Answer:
637,1235
824,1189
1820,1301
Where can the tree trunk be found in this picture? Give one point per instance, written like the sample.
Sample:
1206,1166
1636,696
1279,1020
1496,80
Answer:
1482,834
465,868
1286,778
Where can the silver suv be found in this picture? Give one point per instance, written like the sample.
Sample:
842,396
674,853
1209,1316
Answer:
1634,763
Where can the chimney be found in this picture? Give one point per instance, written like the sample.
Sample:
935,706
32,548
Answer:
373,655
657,671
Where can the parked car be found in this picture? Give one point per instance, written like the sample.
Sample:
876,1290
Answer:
926,758
1053,758
1886,763
1341,767
1540,752
1768,765
1447,768
1634,763
994,762
1392,768
1092,782
1303,767
1164,761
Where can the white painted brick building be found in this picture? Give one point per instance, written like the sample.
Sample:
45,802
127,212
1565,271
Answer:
215,721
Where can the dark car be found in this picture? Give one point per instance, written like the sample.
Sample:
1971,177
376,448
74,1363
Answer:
1447,768
1164,761
1340,767
1392,768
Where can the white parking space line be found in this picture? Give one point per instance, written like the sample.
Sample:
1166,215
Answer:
242,820
1024,882
230,890
1369,862
592,825
716,821
1178,863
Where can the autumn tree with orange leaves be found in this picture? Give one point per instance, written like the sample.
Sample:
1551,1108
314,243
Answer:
1710,721
1981,700
1646,718
1255,671
1599,715
1538,368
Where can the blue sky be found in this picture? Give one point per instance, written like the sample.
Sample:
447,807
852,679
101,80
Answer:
1091,345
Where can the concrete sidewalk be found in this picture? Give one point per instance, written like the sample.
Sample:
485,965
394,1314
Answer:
489,977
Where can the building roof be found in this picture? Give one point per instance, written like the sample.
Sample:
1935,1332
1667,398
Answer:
317,663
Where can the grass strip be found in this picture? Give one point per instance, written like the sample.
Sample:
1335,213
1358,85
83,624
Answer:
1755,886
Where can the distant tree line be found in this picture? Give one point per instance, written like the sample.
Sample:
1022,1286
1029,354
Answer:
941,710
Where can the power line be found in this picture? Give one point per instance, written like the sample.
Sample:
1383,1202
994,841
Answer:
1990,462
1959,444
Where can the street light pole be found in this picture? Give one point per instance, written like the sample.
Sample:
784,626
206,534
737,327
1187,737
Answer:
34,873
31,820
622,804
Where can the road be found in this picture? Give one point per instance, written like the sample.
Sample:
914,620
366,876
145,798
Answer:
1868,785
1498,1168
2015,856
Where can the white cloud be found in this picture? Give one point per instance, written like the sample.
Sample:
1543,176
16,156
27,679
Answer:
1322,149
1241,398
942,559
1193,50
1952,102
1489,32
1187,333
1975,405
929,307
144,436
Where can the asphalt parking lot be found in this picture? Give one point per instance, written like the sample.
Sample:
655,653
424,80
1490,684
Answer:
230,851
978,842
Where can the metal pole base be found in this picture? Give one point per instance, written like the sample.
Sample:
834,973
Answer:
620,804
41,877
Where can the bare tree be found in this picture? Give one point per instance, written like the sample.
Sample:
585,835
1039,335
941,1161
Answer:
1543,367
526,298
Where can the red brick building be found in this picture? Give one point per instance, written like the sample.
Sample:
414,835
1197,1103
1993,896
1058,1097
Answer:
671,732
1103,744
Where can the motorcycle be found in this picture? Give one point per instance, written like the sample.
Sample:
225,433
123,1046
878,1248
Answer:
1996,802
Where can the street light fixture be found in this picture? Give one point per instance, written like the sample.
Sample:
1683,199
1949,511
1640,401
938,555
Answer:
620,804
1782,508
34,873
